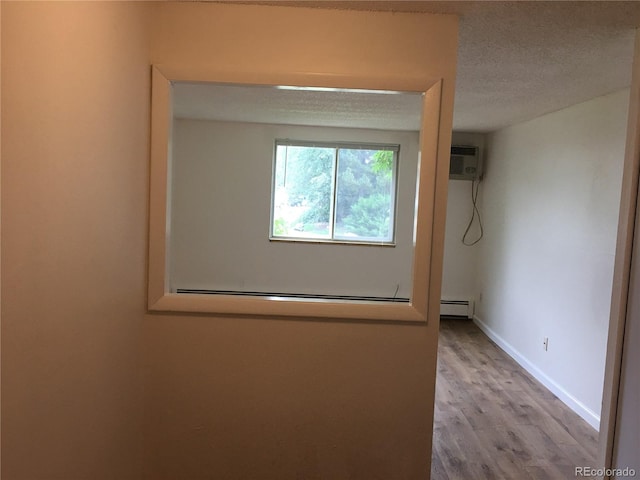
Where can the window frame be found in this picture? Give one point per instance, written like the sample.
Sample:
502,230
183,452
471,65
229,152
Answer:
337,146
430,202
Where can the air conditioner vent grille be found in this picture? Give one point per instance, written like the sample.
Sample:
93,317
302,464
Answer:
456,150
464,163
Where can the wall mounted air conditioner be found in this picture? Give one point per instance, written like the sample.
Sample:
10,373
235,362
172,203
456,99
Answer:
465,163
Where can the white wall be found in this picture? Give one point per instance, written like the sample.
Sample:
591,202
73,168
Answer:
550,205
460,261
203,257
221,200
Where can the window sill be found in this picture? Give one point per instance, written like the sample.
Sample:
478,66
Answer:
320,241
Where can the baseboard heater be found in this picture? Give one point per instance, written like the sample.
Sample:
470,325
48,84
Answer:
311,296
456,308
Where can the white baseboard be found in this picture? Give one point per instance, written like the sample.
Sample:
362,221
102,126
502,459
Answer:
573,403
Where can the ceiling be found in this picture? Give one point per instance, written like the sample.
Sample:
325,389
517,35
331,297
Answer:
294,106
520,59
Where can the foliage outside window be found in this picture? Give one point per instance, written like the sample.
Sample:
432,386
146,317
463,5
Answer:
334,192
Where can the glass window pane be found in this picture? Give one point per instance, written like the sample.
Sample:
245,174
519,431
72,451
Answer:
303,191
364,197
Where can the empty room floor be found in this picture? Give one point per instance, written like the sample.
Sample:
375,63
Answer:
495,421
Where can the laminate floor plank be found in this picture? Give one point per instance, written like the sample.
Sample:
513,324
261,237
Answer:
494,421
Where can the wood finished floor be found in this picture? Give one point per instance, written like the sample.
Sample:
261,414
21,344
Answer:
495,421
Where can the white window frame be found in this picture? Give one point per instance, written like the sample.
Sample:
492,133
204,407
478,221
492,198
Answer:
337,146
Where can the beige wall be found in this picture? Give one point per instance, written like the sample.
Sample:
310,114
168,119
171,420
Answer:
75,114
268,398
627,427
224,398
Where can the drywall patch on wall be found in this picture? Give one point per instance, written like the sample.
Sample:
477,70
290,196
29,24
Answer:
550,204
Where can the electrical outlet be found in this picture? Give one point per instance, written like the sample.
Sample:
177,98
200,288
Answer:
545,343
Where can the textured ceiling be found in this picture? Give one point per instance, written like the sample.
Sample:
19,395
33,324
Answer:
260,104
520,59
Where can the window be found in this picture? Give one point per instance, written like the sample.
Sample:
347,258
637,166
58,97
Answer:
334,192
